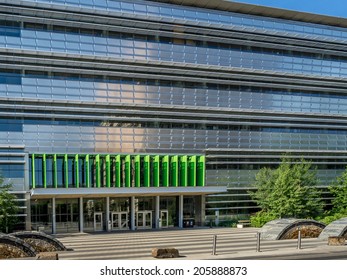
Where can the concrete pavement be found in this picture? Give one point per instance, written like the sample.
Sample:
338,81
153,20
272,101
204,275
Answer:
193,244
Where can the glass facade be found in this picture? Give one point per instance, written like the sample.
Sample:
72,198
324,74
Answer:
145,78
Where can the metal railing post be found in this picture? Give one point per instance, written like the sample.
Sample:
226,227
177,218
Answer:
299,238
214,245
258,242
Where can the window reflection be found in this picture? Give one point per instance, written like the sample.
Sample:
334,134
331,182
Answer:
210,16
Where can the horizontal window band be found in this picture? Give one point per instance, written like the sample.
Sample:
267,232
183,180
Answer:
12,161
253,40
244,163
274,156
134,115
149,22
96,65
217,151
76,120
234,81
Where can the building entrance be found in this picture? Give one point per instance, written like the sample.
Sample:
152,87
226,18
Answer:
164,216
144,219
98,222
119,220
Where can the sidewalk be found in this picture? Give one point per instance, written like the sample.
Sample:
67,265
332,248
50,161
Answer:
193,244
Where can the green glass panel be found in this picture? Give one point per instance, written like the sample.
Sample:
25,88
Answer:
201,171
156,171
77,181
184,171
192,171
108,171
165,171
97,170
33,170
118,167
55,171
174,171
66,169
147,171
128,171
44,170
137,171
87,170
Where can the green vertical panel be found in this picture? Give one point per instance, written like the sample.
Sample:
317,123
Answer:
44,170
138,171
174,171
118,168
77,179
147,171
33,169
165,171
108,171
192,171
87,171
201,171
156,171
66,169
97,170
128,171
184,171
55,171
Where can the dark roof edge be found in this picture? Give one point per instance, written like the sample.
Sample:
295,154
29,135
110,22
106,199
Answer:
251,9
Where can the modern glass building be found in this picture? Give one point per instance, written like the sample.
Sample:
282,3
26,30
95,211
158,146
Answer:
147,114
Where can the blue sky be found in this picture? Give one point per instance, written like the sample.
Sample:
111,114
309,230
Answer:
336,8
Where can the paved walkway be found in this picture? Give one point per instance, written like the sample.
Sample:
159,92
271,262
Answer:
192,244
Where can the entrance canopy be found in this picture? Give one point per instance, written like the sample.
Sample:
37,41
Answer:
123,192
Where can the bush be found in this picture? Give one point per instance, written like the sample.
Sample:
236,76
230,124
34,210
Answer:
261,218
331,217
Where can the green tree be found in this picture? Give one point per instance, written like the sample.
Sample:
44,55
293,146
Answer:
8,207
339,201
288,191
339,191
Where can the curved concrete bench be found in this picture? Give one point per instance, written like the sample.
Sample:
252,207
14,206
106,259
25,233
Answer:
16,247
336,228
40,241
287,228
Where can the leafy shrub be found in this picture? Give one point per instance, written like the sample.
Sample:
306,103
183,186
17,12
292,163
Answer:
331,217
261,218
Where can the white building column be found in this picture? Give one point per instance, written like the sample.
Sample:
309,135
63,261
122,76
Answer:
132,213
81,214
180,211
157,212
54,225
108,222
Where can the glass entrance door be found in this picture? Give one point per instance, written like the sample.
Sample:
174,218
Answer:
98,223
119,220
164,216
144,220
